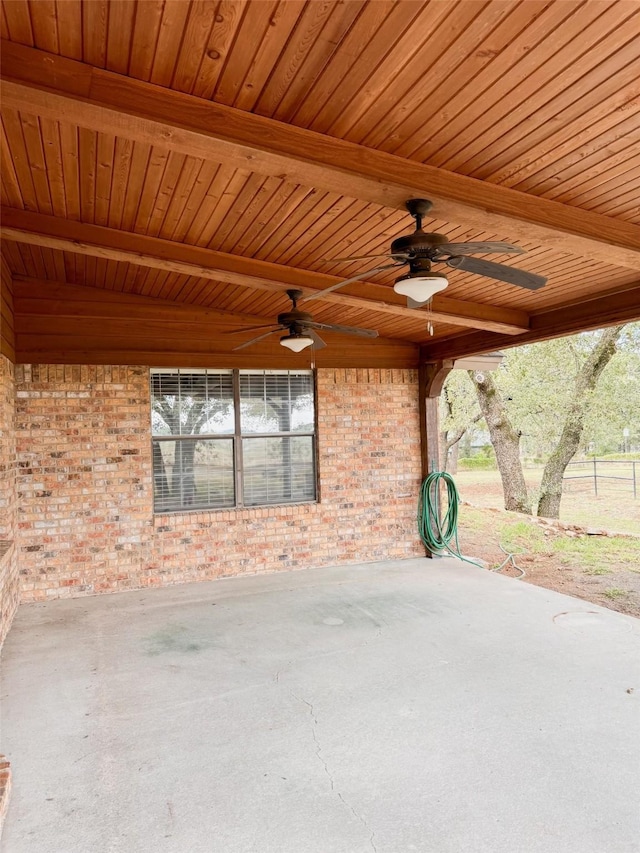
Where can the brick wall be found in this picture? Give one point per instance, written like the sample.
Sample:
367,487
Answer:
9,586
85,489
83,479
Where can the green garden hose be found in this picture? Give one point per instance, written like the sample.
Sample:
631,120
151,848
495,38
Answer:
437,532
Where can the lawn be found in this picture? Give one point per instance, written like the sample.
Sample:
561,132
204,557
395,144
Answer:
602,569
614,508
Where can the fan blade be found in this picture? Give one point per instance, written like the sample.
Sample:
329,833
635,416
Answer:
259,338
333,287
480,249
345,330
318,343
521,278
250,329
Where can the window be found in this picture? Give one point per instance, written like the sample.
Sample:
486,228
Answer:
225,438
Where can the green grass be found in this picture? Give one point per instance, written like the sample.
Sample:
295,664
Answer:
614,593
519,536
596,568
592,553
613,509
596,552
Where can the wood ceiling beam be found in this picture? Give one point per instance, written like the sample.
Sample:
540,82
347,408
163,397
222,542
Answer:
46,297
66,90
110,244
608,310
60,323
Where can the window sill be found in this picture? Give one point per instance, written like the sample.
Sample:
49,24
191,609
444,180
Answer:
243,511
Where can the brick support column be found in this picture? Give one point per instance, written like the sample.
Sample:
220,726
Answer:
9,585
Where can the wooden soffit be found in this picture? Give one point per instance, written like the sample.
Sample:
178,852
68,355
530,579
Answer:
609,310
111,244
63,89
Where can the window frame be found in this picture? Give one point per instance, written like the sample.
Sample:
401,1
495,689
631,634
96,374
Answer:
236,437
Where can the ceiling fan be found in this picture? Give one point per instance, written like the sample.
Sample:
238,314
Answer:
301,328
422,249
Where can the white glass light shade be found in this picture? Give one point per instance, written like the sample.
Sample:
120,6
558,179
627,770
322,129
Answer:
420,288
296,343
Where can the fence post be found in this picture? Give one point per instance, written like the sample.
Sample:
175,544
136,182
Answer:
635,491
595,477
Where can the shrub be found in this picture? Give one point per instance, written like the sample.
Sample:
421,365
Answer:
622,457
477,463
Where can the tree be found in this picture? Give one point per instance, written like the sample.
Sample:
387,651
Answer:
506,442
182,415
547,393
615,407
458,414
538,385
183,405
569,441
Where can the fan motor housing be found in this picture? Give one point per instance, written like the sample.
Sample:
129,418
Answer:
295,316
418,243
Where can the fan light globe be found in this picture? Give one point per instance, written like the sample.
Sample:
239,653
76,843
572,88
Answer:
296,343
420,287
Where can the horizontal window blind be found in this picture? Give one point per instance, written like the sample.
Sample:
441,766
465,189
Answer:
224,438
192,402
278,470
193,474
276,403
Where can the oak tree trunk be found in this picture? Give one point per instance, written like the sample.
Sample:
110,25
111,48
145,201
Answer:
506,443
586,380
443,450
453,454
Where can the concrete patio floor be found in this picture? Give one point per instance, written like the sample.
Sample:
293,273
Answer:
392,707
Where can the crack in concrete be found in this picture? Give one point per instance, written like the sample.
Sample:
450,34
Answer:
380,622
321,759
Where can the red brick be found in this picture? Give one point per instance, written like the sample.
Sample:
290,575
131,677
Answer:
9,578
84,475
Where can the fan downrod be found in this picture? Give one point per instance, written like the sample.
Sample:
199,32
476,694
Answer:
418,207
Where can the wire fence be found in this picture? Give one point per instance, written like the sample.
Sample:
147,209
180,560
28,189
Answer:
603,476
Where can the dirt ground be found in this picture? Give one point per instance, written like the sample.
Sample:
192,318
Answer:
603,569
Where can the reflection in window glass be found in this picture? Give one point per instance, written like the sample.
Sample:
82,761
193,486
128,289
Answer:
192,403
201,459
193,474
276,402
278,470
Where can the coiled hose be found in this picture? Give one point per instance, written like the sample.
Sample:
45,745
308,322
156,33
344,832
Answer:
437,532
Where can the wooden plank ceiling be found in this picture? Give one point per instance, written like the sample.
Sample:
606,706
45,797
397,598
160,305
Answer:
169,168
